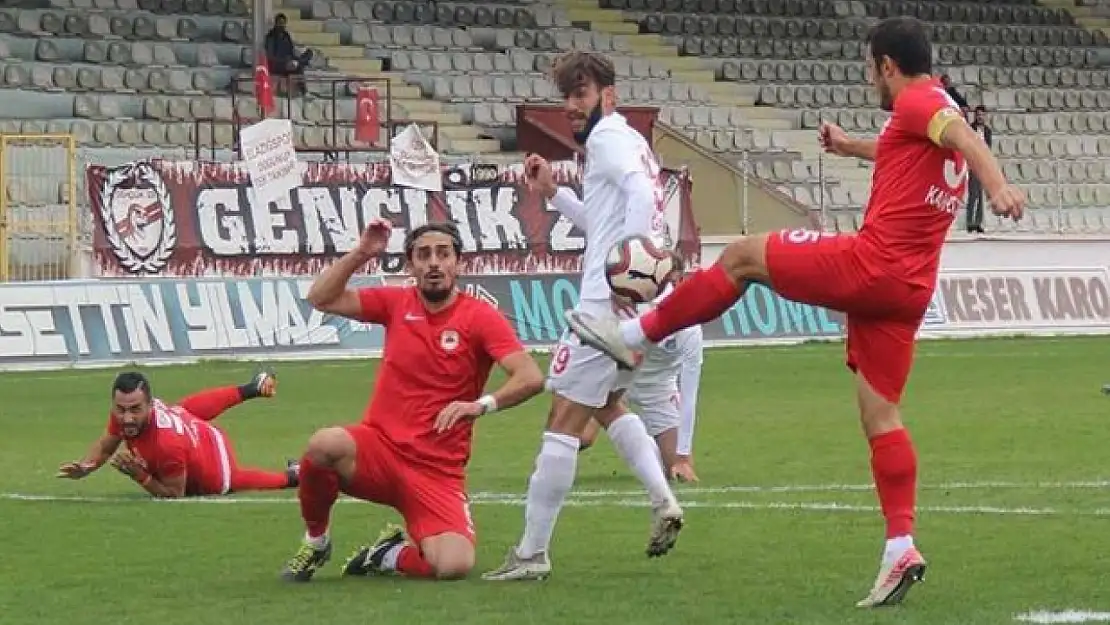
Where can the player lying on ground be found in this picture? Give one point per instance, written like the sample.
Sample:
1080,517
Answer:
882,278
411,449
664,393
620,185
175,450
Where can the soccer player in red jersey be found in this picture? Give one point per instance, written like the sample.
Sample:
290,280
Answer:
174,450
411,449
882,277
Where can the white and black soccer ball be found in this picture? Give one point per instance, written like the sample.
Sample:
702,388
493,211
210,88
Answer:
637,269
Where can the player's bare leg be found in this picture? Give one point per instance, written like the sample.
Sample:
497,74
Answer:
667,442
894,466
699,298
589,435
328,461
211,403
446,556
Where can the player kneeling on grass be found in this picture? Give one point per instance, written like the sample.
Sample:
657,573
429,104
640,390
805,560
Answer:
664,392
411,449
175,450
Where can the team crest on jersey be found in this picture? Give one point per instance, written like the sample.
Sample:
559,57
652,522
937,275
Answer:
137,215
449,340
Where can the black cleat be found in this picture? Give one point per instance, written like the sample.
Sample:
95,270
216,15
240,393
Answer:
304,564
367,560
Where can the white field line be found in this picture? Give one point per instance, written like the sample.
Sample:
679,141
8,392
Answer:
516,500
1064,616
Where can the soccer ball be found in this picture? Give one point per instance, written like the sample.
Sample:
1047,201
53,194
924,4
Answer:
637,270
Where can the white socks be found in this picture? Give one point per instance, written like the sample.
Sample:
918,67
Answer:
318,542
895,547
547,489
632,333
389,560
632,442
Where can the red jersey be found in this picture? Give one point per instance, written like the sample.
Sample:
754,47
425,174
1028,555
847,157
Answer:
175,442
916,187
431,360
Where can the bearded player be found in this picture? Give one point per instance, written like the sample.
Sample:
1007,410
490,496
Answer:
173,450
882,278
621,197
411,449
664,393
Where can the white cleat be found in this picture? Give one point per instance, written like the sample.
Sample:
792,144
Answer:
895,580
603,335
666,523
516,568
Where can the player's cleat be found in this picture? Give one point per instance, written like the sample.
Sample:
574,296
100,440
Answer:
368,560
516,568
895,580
603,335
666,523
304,564
1106,389
263,384
293,473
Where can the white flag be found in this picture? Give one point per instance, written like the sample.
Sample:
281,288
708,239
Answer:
415,164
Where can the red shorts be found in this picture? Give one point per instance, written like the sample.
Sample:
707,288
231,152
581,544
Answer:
431,503
883,311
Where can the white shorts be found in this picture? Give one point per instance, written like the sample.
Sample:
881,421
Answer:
654,388
581,373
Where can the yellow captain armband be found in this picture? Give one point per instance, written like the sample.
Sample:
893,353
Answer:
940,121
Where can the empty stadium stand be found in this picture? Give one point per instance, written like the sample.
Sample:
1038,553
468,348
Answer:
748,79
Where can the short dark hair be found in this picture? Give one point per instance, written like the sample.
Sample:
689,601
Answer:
980,109
131,381
280,17
442,227
573,69
905,42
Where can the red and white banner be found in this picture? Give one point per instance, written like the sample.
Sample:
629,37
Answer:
198,219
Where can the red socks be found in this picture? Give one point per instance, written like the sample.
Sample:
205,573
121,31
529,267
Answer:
894,465
256,479
318,491
210,403
698,299
411,563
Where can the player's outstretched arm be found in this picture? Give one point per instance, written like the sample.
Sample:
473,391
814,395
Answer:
835,141
329,293
95,458
1005,199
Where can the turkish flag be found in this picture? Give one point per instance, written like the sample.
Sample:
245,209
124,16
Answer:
367,117
263,88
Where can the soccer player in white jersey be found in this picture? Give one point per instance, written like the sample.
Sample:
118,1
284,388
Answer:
621,193
664,393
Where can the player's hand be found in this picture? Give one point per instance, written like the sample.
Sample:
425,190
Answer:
1009,202
457,411
683,470
538,175
833,139
75,470
375,237
126,463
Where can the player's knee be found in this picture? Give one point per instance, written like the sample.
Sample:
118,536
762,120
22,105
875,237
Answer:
451,557
568,417
328,446
744,258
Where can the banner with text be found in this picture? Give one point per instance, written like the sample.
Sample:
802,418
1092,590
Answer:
161,218
166,320
173,320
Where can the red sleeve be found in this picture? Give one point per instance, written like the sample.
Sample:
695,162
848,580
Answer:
113,427
378,302
498,336
926,112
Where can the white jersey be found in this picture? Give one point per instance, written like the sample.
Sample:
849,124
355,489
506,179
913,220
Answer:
613,151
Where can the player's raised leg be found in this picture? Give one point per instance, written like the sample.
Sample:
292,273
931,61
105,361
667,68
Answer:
700,297
329,460
250,478
211,403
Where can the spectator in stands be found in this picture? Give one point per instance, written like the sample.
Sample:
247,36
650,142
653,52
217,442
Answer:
974,187
282,56
961,102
